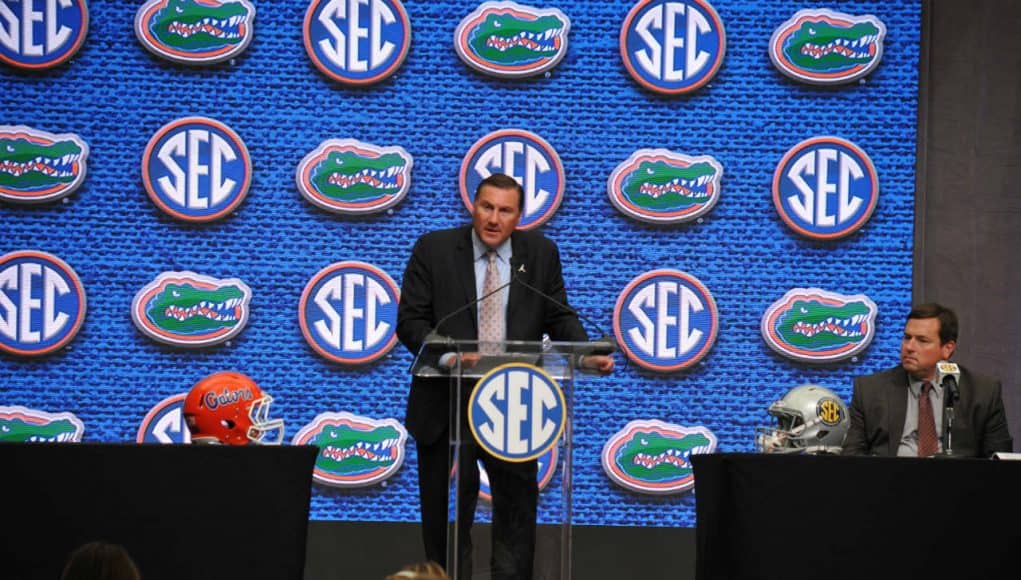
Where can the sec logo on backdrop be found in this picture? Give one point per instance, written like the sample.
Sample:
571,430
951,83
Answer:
357,42
665,320
42,303
825,188
526,157
348,312
41,34
672,47
196,169
164,423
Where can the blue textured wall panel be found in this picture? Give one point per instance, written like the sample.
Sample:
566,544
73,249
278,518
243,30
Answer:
116,95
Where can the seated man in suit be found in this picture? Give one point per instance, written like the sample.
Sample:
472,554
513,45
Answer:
899,412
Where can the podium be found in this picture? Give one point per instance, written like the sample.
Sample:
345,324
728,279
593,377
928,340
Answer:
513,405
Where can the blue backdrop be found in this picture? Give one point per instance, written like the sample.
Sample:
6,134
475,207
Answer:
116,95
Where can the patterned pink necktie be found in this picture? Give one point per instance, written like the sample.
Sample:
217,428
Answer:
927,444
491,315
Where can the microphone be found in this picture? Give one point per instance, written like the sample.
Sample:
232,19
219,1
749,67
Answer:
947,375
434,336
605,344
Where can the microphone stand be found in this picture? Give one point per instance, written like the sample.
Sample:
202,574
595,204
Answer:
950,395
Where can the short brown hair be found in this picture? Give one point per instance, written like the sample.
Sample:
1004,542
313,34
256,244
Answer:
503,181
947,319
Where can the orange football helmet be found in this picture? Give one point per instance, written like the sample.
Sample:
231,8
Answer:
229,408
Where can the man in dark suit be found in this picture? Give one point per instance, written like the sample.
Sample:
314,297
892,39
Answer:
444,274
885,412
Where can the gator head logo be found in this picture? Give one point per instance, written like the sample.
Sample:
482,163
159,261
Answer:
824,47
825,188
672,47
36,166
660,186
348,312
42,303
354,451
196,169
516,152
40,35
655,457
195,31
357,42
506,39
165,423
22,425
348,176
191,310
665,320
813,325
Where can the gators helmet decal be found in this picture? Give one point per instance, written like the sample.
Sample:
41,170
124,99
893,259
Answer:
816,326
351,177
354,451
195,31
37,166
824,47
660,186
653,457
191,310
506,39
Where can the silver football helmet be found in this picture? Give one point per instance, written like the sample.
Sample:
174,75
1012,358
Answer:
810,419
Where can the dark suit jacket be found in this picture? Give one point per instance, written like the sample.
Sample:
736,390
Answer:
440,278
879,405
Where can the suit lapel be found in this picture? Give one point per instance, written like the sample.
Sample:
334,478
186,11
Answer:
897,402
464,270
519,256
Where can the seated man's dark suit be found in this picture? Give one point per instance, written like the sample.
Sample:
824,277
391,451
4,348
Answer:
439,279
879,405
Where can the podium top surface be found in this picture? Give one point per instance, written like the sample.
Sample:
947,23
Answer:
556,358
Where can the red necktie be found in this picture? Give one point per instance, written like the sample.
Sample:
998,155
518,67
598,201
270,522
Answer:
927,444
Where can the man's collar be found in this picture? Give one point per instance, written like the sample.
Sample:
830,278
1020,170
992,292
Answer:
479,249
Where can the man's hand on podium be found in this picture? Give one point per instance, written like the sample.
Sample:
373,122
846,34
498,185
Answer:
600,363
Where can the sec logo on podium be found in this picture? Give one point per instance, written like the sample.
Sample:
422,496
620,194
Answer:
517,412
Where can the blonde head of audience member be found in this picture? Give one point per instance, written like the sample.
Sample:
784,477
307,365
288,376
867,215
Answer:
420,571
